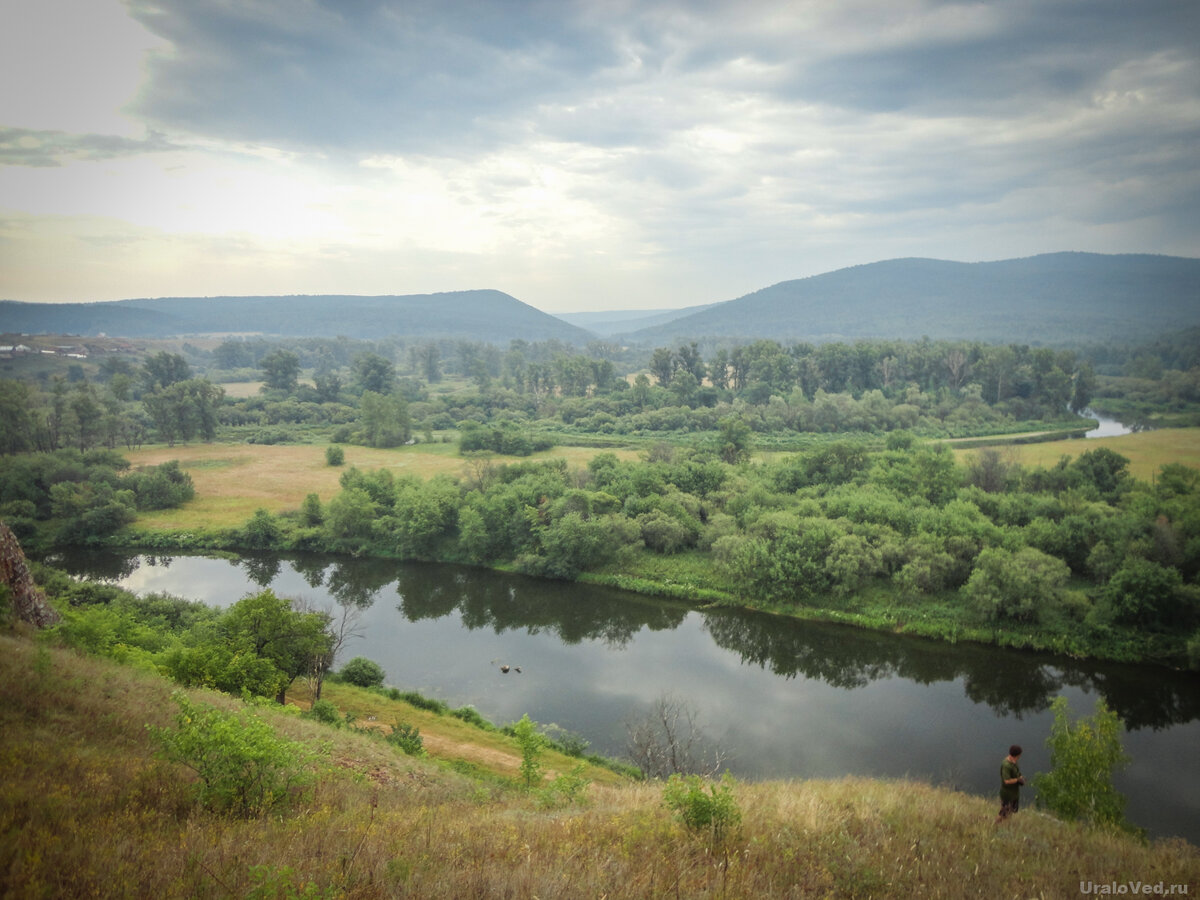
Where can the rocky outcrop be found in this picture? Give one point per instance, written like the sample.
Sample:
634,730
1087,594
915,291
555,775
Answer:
29,604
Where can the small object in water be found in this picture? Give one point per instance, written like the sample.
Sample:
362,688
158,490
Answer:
504,668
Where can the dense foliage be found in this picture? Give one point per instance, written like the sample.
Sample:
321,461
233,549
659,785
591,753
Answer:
75,497
1084,756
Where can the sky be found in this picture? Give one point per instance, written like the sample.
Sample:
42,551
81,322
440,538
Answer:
580,156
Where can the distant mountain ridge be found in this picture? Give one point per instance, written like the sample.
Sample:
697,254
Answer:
1052,298
609,322
1055,298
482,315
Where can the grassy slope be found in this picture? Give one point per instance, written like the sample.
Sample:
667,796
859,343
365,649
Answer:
86,810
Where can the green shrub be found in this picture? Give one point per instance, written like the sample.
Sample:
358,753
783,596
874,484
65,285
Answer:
362,672
245,769
471,715
532,743
408,738
334,455
714,809
564,789
325,712
1083,757
412,698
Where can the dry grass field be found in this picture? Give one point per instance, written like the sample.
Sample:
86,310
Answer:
1147,451
234,480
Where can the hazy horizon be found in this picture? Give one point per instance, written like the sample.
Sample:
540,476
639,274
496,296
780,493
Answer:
580,156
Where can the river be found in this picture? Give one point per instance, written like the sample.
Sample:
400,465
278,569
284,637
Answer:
783,698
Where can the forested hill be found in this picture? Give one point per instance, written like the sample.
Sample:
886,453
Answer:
1055,298
483,315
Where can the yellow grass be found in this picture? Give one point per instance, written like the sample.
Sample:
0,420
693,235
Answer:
234,480
239,390
87,810
1147,451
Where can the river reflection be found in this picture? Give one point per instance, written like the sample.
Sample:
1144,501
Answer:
786,698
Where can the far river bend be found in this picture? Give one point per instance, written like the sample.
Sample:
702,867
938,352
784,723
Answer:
786,699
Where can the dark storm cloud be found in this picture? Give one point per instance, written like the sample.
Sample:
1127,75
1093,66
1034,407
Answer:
367,76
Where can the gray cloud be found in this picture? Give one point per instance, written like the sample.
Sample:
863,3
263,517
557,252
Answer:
29,147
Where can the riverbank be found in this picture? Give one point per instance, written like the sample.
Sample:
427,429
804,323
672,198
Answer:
875,531
90,810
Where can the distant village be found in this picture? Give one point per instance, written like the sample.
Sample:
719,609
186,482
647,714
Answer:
12,347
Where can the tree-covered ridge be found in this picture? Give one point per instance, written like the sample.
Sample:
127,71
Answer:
468,315
1056,298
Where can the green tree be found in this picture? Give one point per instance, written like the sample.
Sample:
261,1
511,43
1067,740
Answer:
363,672
1144,593
734,440
384,420
281,370
1015,586
1084,755
532,743
268,627
374,373
164,369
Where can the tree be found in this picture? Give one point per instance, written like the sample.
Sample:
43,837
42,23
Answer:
374,373
164,369
1083,758
384,419
669,740
281,370
532,743
268,627
1147,594
363,672
662,366
1015,586
734,440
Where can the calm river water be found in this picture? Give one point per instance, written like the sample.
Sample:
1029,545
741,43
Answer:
784,699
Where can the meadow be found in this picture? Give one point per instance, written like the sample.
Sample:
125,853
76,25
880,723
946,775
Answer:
1147,451
89,809
234,480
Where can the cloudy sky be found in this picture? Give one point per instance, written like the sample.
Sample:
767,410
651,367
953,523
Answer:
604,154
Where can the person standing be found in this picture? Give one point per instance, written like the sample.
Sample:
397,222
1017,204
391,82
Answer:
1011,780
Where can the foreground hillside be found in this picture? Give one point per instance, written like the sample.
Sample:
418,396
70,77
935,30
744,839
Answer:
88,810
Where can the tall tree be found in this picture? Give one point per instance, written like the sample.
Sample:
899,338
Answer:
281,370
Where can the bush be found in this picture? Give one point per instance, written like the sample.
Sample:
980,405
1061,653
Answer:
362,672
1083,757
407,738
325,712
412,698
532,743
334,455
714,809
245,769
